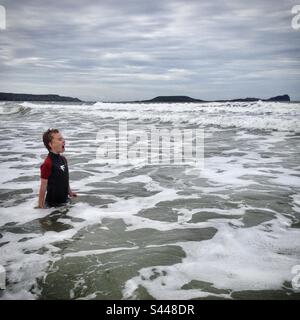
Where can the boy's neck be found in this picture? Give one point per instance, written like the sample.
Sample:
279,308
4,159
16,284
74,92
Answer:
54,152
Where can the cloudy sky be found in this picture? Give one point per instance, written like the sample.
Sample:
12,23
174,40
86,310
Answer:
138,49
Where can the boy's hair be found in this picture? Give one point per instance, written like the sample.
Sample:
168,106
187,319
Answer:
47,137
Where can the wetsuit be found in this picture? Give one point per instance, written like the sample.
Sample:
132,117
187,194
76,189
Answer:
55,170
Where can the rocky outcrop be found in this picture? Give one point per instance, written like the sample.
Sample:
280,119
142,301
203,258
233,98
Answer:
35,97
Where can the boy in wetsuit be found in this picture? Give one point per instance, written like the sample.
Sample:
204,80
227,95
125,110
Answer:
54,172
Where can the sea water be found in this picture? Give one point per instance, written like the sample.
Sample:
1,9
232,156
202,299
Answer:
144,231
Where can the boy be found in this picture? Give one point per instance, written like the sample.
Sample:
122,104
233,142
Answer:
54,172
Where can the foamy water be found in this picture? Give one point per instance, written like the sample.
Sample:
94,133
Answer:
142,231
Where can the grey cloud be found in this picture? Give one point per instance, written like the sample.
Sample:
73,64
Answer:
199,48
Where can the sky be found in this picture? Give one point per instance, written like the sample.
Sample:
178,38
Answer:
116,50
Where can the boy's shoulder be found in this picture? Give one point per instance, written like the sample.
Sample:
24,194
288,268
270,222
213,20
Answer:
46,168
47,160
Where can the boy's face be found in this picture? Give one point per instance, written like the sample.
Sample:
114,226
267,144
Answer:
57,144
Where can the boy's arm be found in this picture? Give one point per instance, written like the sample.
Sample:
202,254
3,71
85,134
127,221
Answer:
42,193
46,169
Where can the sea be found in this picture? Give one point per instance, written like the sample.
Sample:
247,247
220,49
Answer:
223,226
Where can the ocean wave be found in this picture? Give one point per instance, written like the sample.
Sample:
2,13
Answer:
259,115
265,116
9,109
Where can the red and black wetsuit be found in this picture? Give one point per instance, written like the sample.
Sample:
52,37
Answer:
55,170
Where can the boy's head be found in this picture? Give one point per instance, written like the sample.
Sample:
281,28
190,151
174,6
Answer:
54,141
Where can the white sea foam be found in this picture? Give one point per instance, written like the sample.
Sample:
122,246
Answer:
236,259
95,252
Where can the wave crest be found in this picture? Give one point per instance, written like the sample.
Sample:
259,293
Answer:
9,109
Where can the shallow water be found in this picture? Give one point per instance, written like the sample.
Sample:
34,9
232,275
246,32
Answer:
143,231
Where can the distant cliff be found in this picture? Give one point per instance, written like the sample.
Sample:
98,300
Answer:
174,99
283,98
35,97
